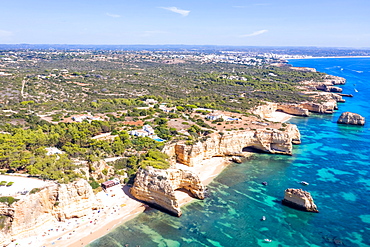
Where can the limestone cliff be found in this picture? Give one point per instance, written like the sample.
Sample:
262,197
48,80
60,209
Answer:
157,187
334,80
265,110
299,199
232,143
37,212
293,109
327,107
351,118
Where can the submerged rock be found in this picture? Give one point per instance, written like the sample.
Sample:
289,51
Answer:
299,199
351,118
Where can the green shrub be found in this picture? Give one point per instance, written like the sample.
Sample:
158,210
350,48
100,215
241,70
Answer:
9,184
94,184
8,199
35,190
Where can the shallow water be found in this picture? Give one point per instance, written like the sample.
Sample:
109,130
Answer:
333,158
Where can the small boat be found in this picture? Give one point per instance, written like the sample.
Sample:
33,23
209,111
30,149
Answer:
267,240
356,90
264,183
263,218
304,183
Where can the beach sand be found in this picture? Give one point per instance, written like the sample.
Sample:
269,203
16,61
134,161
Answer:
279,117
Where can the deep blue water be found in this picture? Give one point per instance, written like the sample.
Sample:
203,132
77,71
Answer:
333,158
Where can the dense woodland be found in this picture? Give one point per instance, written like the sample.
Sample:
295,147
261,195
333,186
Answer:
116,84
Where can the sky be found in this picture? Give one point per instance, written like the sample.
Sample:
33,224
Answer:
322,23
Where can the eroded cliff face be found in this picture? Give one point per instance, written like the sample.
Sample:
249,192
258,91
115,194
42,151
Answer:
37,212
232,143
299,199
293,109
351,118
157,187
327,107
326,104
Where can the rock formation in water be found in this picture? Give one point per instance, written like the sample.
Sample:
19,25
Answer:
157,187
35,213
232,143
299,199
351,118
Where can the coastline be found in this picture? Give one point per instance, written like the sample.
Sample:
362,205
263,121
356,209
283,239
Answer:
329,57
120,207
207,171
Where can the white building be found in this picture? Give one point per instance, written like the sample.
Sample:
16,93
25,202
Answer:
53,150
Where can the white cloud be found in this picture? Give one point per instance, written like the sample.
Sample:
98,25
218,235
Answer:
5,34
176,10
254,33
113,15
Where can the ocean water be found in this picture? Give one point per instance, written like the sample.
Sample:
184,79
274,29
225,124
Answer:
334,159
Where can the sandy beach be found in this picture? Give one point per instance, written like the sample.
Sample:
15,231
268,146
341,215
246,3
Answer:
119,207
281,117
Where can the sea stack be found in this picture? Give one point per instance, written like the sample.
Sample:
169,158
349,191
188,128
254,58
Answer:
299,199
351,118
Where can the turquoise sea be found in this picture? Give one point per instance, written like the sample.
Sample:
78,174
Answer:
333,158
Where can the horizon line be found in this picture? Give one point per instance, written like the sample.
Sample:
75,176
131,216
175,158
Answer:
281,46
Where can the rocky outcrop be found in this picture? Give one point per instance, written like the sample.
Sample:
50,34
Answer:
37,212
236,159
299,199
327,107
157,187
293,109
334,80
326,96
351,118
329,88
265,110
231,143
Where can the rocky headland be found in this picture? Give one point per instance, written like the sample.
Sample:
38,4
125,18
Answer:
299,199
39,211
351,118
232,143
157,187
